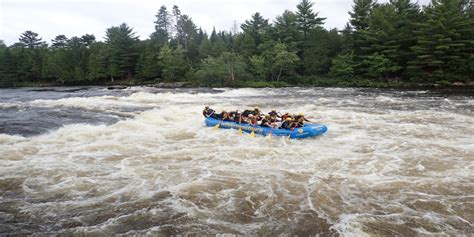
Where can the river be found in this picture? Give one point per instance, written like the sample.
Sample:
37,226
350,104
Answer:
140,161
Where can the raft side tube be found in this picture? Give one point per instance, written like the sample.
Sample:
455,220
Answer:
307,131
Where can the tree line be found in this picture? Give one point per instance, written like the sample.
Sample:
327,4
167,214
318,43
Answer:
398,41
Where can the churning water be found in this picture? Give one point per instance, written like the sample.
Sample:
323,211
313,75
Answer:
141,161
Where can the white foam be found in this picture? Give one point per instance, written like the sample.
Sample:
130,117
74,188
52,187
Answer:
368,163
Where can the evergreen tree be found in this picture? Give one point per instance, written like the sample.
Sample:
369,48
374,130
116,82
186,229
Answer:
380,66
343,65
286,29
7,67
122,44
31,40
441,49
246,45
173,63
162,26
359,22
306,18
257,66
390,32
88,40
148,66
321,48
256,28
59,41
97,66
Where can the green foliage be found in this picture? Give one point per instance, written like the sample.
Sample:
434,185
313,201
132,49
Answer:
395,40
256,28
172,62
380,66
306,19
224,70
321,48
286,29
7,67
257,66
162,27
148,66
444,42
343,65
279,59
123,51
31,40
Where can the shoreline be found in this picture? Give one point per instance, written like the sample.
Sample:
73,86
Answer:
180,85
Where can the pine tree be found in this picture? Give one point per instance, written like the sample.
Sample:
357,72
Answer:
31,40
122,44
172,62
321,48
162,26
59,41
7,67
256,28
286,29
306,18
360,16
390,34
441,49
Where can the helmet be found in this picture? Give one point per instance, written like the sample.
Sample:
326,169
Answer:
274,110
257,108
267,116
206,107
301,114
288,119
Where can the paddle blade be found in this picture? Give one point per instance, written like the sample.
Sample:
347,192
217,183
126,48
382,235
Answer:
252,134
240,131
270,135
217,126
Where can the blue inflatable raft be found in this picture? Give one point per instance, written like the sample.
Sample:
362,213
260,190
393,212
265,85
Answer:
307,131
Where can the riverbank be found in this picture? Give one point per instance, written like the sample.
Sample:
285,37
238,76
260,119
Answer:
320,82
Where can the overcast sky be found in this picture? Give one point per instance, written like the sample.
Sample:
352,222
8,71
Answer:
78,17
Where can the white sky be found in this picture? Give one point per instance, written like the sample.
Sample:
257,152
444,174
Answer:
49,18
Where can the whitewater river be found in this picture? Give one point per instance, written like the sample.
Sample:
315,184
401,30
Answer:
140,161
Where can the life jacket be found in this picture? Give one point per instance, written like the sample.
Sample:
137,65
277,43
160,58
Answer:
224,116
247,112
253,121
208,112
274,114
286,125
264,122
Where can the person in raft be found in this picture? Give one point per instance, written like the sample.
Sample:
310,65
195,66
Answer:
255,112
301,116
267,122
274,115
288,124
208,112
224,116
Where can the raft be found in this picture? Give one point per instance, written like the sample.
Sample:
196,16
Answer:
307,131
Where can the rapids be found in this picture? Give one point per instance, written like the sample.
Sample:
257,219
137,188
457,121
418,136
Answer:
141,161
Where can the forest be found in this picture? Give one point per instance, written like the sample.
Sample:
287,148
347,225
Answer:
394,43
